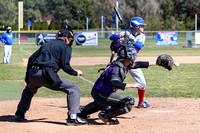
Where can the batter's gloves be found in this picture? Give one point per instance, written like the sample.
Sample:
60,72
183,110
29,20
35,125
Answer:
165,61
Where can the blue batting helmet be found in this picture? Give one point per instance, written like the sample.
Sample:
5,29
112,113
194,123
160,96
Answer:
136,22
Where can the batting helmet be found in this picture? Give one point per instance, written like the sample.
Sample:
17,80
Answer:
136,22
126,52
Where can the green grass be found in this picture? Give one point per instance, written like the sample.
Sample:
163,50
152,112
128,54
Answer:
9,90
103,49
181,82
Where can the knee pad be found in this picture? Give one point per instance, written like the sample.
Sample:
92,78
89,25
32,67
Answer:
129,102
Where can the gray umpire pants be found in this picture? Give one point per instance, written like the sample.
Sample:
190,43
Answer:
37,80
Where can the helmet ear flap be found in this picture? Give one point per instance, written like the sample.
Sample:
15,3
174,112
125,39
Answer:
137,26
134,25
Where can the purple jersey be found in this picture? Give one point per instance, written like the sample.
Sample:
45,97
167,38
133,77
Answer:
114,72
103,82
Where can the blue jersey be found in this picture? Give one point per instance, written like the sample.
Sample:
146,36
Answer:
7,38
136,41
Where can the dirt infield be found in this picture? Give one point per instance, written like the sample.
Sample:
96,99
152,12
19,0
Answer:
47,115
105,60
77,61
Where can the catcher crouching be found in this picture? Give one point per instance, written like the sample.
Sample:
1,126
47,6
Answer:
106,100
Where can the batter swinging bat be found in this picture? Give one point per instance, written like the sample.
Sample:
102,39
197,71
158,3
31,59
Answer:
121,20
119,16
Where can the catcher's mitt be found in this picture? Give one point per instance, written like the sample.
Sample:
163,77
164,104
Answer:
165,61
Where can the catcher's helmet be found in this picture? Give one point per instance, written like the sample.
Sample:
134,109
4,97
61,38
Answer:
136,22
126,52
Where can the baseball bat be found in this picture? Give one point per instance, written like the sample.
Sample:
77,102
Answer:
119,16
121,20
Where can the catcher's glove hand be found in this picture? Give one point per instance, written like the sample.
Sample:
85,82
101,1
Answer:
165,61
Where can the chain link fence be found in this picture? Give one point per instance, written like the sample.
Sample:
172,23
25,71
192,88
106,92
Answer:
186,39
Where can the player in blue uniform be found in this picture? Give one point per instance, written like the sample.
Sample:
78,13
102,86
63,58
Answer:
7,40
114,46
136,39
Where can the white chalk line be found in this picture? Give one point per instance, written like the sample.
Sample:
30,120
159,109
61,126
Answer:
86,80
25,51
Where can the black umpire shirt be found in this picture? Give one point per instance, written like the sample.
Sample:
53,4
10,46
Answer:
55,54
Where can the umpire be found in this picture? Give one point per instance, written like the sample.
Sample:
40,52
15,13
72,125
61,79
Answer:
42,69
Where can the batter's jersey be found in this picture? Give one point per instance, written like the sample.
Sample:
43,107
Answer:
136,41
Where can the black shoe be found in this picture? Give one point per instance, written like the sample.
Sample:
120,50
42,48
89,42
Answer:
19,116
84,116
76,122
108,121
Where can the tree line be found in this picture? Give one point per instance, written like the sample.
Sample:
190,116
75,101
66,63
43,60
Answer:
158,14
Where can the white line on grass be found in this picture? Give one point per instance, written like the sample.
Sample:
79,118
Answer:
86,80
25,51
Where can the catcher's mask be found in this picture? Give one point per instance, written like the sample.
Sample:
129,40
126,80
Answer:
126,52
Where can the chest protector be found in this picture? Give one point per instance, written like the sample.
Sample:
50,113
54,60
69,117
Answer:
103,82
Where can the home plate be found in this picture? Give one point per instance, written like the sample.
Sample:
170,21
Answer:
161,111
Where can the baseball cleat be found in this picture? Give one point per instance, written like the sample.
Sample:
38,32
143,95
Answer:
19,116
108,121
76,122
144,105
84,116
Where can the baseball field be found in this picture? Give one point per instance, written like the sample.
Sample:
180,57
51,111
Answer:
174,95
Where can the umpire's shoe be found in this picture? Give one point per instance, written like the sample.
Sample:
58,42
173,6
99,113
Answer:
74,120
19,116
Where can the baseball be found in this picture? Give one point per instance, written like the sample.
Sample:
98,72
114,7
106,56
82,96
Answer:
176,64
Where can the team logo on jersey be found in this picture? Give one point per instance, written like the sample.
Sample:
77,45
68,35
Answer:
9,36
